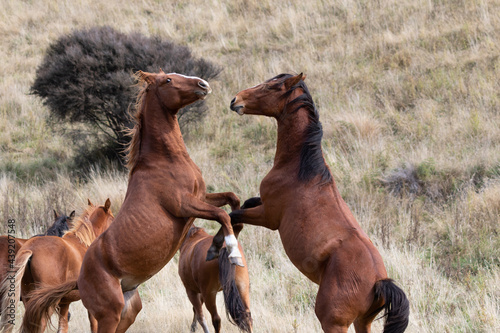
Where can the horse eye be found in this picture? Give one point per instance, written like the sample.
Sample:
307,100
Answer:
168,80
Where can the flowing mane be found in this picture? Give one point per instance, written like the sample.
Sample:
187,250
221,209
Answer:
82,227
133,149
312,162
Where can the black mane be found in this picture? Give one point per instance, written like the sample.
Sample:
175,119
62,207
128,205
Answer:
312,162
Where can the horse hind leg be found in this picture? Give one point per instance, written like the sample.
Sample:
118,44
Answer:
363,325
107,304
63,318
197,302
334,306
93,323
133,305
211,305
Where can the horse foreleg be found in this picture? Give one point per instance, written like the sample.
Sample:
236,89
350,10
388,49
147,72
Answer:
252,216
63,318
193,207
224,198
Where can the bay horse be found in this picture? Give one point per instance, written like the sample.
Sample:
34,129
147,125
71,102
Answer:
44,261
165,193
9,246
320,235
204,279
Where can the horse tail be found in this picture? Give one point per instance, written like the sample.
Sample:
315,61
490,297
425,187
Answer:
396,307
11,290
235,307
42,303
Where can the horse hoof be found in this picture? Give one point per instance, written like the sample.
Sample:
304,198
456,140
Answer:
236,261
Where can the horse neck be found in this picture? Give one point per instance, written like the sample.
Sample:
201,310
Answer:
291,135
160,134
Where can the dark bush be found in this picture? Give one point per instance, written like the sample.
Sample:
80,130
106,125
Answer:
86,81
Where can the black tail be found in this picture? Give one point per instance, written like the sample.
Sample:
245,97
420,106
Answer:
235,307
396,307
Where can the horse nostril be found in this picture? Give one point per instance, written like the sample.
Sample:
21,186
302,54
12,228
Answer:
233,100
203,84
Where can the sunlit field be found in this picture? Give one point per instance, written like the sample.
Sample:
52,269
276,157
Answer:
409,96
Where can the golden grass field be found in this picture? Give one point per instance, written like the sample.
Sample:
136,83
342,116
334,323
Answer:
401,86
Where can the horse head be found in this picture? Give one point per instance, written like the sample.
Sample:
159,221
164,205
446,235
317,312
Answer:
268,98
61,224
173,90
100,217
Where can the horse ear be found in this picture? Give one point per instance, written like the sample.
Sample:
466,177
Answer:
55,214
107,204
90,203
146,77
161,71
290,82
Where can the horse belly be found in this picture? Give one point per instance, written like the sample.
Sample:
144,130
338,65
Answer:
308,241
137,256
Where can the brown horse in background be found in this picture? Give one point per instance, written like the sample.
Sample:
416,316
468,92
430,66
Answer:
204,279
165,193
50,260
9,246
318,231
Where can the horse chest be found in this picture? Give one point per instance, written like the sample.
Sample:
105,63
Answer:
275,185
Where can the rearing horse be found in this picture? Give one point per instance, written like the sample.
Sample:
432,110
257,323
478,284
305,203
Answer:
166,191
319,233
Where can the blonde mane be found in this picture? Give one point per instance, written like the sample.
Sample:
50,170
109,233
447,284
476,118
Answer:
82,227
133,149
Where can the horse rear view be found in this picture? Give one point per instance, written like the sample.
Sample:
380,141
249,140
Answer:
9,246
203,279
48,261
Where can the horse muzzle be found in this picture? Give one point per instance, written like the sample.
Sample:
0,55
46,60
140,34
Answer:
236,108
206,89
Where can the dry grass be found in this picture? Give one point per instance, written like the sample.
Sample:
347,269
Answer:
400,85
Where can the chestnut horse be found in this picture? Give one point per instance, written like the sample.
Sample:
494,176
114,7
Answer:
319,233
203,279
9,246
44,261
165,193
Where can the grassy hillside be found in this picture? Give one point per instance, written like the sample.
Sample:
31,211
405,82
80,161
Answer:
409,96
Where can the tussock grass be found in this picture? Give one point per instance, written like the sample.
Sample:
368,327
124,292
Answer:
407,92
